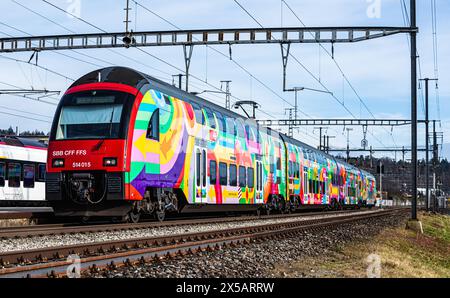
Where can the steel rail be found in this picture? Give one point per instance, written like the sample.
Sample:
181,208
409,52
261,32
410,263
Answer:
58,229
35,263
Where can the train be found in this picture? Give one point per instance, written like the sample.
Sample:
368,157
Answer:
123,144
22,172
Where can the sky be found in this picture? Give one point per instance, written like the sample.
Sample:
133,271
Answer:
378,70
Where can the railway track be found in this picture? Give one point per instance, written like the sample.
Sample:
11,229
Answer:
71,228
52,262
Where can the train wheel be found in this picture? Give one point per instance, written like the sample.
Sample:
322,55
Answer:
160,215
258,212
134,216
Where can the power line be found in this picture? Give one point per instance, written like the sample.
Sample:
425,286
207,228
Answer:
224,55
435,56
26,117
307,70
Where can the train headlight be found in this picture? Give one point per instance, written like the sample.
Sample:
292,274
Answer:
109,162
58,163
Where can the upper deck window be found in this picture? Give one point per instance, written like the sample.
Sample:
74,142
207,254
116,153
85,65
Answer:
92,115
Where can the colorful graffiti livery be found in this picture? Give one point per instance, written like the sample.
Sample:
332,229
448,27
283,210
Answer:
124,143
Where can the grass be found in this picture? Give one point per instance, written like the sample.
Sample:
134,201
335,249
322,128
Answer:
14,222
403,253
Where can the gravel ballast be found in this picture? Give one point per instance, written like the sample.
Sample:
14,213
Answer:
36,242
259,258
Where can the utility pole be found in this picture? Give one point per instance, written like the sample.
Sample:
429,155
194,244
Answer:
327,148
180,76
227,93
413,111
427,163
320,137
381,183
348,142
290,128
435,162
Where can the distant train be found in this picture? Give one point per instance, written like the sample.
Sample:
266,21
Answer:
22,172
123,143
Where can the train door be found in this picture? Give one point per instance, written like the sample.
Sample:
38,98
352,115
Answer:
200,175
259,183
305,186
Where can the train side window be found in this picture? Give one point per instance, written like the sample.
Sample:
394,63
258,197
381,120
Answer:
41,172
240,129
212,172
250,178
14,171
199,117
221,120
28,176
2,174
290,169
211,119
198,158
305,182
153,126
223,174
242,176
233,175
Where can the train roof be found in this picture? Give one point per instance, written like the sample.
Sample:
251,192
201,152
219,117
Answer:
22,142
144,82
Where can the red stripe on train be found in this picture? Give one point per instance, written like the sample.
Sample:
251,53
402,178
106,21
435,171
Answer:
103,86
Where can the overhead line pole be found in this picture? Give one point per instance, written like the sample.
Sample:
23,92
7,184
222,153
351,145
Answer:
413,109
427,138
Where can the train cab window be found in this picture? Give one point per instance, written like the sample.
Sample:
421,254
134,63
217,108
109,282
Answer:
233,175
212,172
153,126
92,115
223,174
2,174
14,171
250,177
28,176
199,117
242,177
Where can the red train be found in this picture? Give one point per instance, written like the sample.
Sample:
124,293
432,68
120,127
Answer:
123,143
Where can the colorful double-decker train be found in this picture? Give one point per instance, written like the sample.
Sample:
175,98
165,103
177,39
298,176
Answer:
123,143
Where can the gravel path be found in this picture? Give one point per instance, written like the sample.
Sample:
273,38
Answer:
35,242
257,259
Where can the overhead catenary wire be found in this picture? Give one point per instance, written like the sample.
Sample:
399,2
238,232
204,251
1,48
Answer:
308,71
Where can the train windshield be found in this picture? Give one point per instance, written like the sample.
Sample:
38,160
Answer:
92,115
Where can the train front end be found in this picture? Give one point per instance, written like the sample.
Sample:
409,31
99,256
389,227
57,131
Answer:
88,149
